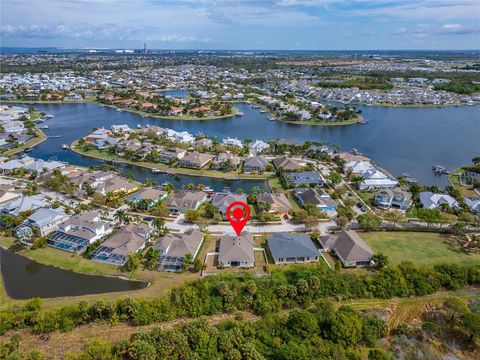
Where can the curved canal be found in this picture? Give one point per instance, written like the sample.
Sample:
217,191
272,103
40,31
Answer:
398,139
24,279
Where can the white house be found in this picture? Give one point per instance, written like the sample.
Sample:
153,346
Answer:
232,142
258,146
46,220
431,200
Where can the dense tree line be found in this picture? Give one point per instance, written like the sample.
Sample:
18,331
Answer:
322,333
285,289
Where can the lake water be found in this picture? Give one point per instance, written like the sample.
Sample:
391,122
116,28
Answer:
24,279
398,139
76,120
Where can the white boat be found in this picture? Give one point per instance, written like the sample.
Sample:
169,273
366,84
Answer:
139,126
239,113
156,171
43,127
271,118
263,111
119,110
65,147
48,116
440,170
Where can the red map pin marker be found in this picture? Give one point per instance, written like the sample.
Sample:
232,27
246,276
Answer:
238,214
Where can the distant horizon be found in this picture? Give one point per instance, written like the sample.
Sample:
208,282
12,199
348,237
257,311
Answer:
243,24
220,49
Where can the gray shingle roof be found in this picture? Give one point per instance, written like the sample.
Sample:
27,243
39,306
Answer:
283,245
349,245
236,248
174,244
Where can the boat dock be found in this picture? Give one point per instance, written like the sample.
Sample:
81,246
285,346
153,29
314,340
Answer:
440,170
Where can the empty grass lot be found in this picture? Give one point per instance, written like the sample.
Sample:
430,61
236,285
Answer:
419,247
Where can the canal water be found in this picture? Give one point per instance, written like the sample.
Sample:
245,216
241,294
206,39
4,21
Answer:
401,140
24,279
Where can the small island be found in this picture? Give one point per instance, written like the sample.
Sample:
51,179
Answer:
198,106
296,111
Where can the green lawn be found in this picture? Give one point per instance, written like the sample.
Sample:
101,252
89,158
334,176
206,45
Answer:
366,196
419,247
65,260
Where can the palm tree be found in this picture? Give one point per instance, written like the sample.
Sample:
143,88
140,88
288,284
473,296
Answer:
476,160
200,187
158,223
120,215
356,180
83,207
143,204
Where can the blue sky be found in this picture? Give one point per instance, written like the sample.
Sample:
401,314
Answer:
246,24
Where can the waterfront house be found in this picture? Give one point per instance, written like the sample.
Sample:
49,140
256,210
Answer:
196,160
259,146
101,144
431,200
317,197
128,240
279,203
73,97
182,136
45,220
23,203
79,231
205,143
469,177
175,246
172,154
185,200
232,142
13,127
120,129
254,163
395,198
349,157
349,248
97,134
153,195
292,248
372,178
473,204
226,161
286,164
30,164
224,199
105,182
376,179
236,251
304,115
304,179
